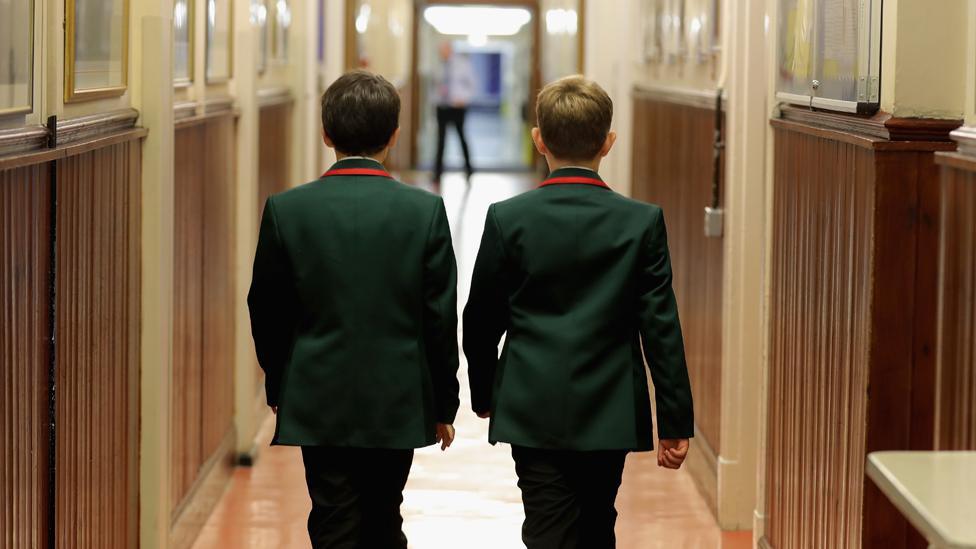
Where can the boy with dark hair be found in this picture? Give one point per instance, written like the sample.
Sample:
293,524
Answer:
578,277
354,317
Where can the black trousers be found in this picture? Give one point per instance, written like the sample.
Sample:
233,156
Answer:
568,497
356,495
450,115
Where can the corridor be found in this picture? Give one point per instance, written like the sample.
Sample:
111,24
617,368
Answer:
465,497
814,160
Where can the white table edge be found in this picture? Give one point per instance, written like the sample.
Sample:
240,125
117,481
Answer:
908,506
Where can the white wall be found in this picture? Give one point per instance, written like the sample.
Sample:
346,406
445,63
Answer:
925,58
610,43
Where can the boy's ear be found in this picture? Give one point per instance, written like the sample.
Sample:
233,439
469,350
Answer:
325,139
608,144
539,144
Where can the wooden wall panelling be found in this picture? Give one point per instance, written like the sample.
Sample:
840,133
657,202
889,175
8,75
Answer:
898,312
25,232
203,432
673,148
819,297
219,291
922,430
186,439
97,343
851,341
957,306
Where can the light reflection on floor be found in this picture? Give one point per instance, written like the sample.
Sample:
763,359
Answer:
465,497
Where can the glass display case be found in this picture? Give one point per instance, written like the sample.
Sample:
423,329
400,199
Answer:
829,54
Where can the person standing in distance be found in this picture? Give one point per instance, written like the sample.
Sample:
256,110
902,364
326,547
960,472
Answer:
455,89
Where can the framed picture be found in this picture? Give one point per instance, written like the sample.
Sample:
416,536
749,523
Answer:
182,42
219,41
705,32
673,30
96,49
281,24
652,20
259,18
16,56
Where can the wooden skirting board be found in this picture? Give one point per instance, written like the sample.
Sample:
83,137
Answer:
191,515
702,463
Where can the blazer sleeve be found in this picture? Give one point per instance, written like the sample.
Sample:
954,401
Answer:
486,315
271,304
440,316
660,332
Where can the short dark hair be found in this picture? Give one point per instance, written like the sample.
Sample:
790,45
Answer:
360,112
574,116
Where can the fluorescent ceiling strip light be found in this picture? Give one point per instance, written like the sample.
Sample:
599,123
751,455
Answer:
482,21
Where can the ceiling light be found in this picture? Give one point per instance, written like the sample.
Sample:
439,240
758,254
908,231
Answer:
468,20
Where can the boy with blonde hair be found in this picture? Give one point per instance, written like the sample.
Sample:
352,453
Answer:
579,278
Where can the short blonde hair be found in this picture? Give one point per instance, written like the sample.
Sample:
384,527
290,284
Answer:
574,116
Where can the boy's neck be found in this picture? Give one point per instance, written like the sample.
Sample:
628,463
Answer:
379,157
557,164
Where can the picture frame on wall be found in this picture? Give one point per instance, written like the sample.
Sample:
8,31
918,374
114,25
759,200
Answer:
16,57
219,67
279,30
259,18
705,34
673,30
652,19
96,49
183,42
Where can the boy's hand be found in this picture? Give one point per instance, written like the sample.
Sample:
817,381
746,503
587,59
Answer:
671,452
445,435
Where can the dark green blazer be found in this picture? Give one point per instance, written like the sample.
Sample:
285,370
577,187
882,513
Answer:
354,312
577,276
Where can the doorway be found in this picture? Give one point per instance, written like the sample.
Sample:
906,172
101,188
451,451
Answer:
497,46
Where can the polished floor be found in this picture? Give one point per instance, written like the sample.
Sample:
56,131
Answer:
465,497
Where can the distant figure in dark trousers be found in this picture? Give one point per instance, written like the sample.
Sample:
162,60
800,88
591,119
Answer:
354,317
455,89
579,278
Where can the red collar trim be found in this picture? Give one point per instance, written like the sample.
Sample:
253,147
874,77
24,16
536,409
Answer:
358,171
574,181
